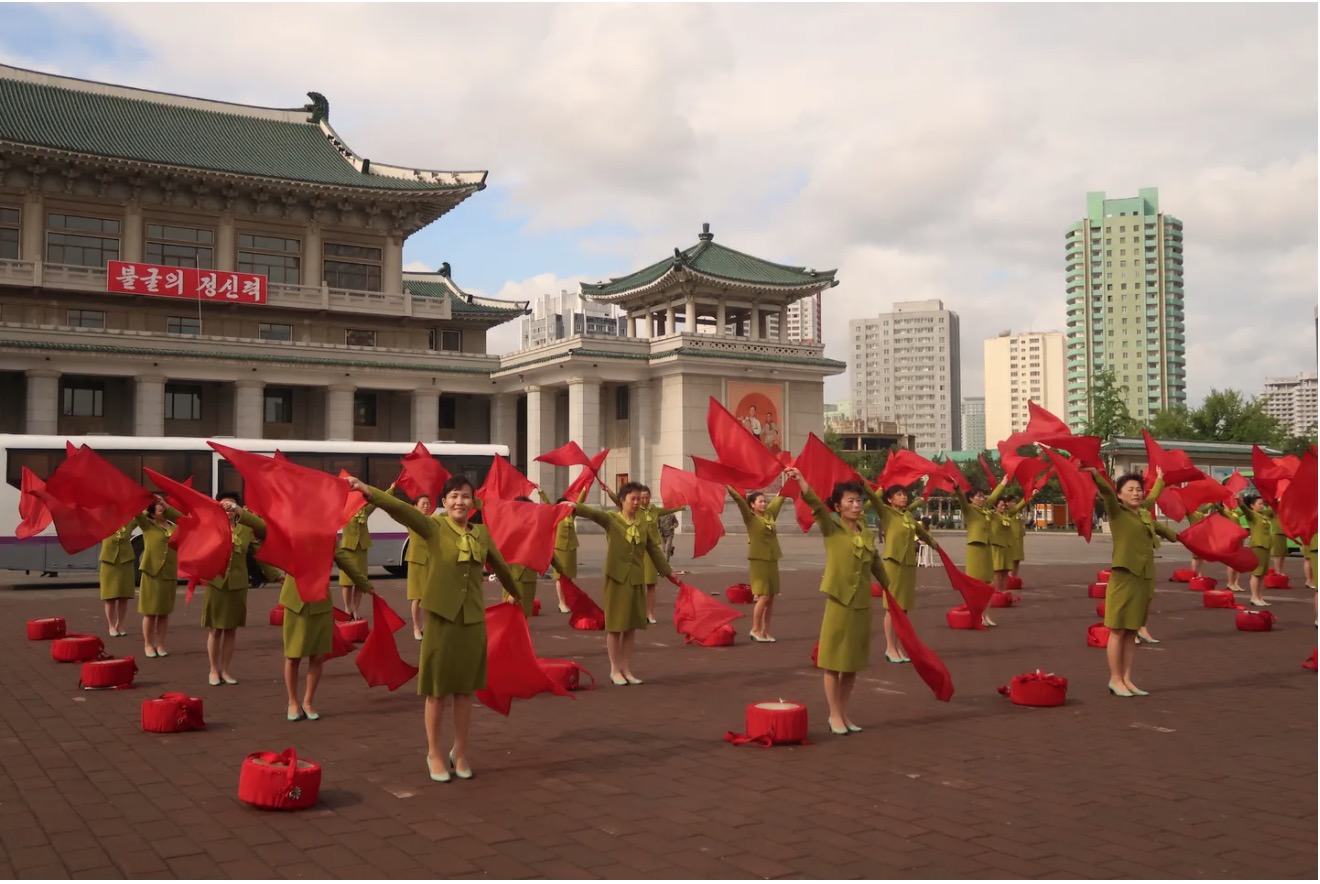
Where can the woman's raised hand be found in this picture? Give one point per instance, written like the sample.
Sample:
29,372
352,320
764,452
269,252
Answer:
793,473
357,484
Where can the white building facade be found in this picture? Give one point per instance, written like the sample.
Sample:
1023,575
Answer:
566,315
1292,401
973,423
1021,368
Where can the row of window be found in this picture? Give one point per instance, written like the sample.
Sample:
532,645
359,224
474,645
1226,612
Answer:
86,241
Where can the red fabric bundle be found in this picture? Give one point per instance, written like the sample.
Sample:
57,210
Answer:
172,713
1275,580
1078,491
1255,621
947,478
772,723
567,674
720,637
821,469
1217,538
739,594
1037,689
88,499
523,532
512,669
1009,458
378,659
277,615
1097,635
1182,575
1014,581
698,617
504,482
1201,584
279,781
1100,609
355,631
930,667
45,629
1219,598
34,515
1096,590
962,618
1004,600
422,474
705,499
115,673
340,643
977,594
1102,576
76,648
204,539
583,612
877,591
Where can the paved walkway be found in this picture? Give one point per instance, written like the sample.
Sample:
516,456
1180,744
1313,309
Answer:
1213,775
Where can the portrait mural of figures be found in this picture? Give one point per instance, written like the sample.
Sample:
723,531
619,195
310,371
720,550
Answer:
760,408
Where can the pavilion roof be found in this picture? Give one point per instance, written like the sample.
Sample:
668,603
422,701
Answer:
462,305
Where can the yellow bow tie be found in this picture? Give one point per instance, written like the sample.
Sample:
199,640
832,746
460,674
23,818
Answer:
464,542
859,546
633,535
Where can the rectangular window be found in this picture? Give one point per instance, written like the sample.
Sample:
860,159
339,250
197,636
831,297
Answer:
448,413
9,233
279,405
183,402
275,331
81,241
276,257
84,398
183,325
451,340
87,318
173,246
352,267
622,400
364,409
358,337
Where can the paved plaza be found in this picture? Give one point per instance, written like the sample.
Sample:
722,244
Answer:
1212,776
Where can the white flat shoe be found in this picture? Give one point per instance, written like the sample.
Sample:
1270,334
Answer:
1261,604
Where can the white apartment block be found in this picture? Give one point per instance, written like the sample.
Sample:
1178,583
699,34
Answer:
1022,368
802,322
1292,401
566,315
973,423
906,368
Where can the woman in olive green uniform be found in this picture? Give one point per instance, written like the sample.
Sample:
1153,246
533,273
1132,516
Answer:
1131,586
159,567
628,545
453,658
417,555
1019,548
528,578
1278,543
851,563
225,609
649,516
759,513
977,513
1258,517
116,574
356,540
901,530
1001,540
566,547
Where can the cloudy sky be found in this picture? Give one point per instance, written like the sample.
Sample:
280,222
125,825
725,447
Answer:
926,151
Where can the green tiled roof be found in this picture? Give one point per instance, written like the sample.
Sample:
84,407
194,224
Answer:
438,285
712,259
131,124
813,361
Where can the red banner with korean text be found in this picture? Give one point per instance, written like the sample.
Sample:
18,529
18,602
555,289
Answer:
220,286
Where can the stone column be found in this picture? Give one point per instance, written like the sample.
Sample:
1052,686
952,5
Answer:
226,243
312,271
721,318
690,315
149,406
250,408
425,416
391,268
504,423
584,417
753,326
669,319
783,324
641,431
43,401
339,412
540,432
130,237
33,246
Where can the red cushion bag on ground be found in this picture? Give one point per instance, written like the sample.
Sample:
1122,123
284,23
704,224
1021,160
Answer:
76,648
45,629
772,723
279,781
172,713
1255,621
113,674
1037,689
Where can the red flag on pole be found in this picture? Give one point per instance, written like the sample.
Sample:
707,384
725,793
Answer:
88,499
697,615
1046,429
512,669
422,474
590,473
976,593
706,501
504,482
203,540
354,503
989,473
1008,451
821,469
1297,505
1078,491
580,605
523,532
378,660
34,515
905,467
736,447
1219,539
930,667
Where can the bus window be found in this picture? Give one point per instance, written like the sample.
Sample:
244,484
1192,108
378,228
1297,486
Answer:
179,466
382,470
229,479
42,462
352,464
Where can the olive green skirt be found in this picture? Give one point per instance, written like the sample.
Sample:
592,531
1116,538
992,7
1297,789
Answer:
1262,561
649,574
157,594
359,557
764,576
1278,545
625,607
1127,599
567,558
1001,557
453,658
224,608
901,581
1019,549
845,637
528,587
417,575
308,634
116,581
979,563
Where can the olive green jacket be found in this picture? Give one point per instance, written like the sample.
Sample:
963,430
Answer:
977,518
117,549
356,534
850,556
157,554
762,540
900,527
626,544
1135,533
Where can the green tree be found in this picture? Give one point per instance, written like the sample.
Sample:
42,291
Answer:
1109,411
1228,416
1172,423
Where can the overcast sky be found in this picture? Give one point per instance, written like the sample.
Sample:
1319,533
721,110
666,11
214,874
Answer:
923,150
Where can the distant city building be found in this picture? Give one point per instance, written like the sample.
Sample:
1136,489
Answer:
973,422
1021,368
868,435
906,368
841,410
1292,401
567,315
1124,272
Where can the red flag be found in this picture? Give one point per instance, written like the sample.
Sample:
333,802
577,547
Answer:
697,615
736,446
1171,504
1297,505
1046,429
1217,538
203,539
1078,490
1008,451
523,532
88,499
422,474
1176,464
379,660
1044,423
33,513
821,469
588,475
976,593
1202,491
989,473
930,667
570,454
354,503
948,478
1267,473
904,467
723,474
579,603
1236,484
504,482
512,669
706,500
303,510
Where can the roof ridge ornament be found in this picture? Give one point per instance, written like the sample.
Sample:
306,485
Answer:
444,269
706,235
319,108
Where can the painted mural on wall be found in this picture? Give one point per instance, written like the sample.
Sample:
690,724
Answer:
760,408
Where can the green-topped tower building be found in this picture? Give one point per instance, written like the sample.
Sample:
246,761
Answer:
1124,277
